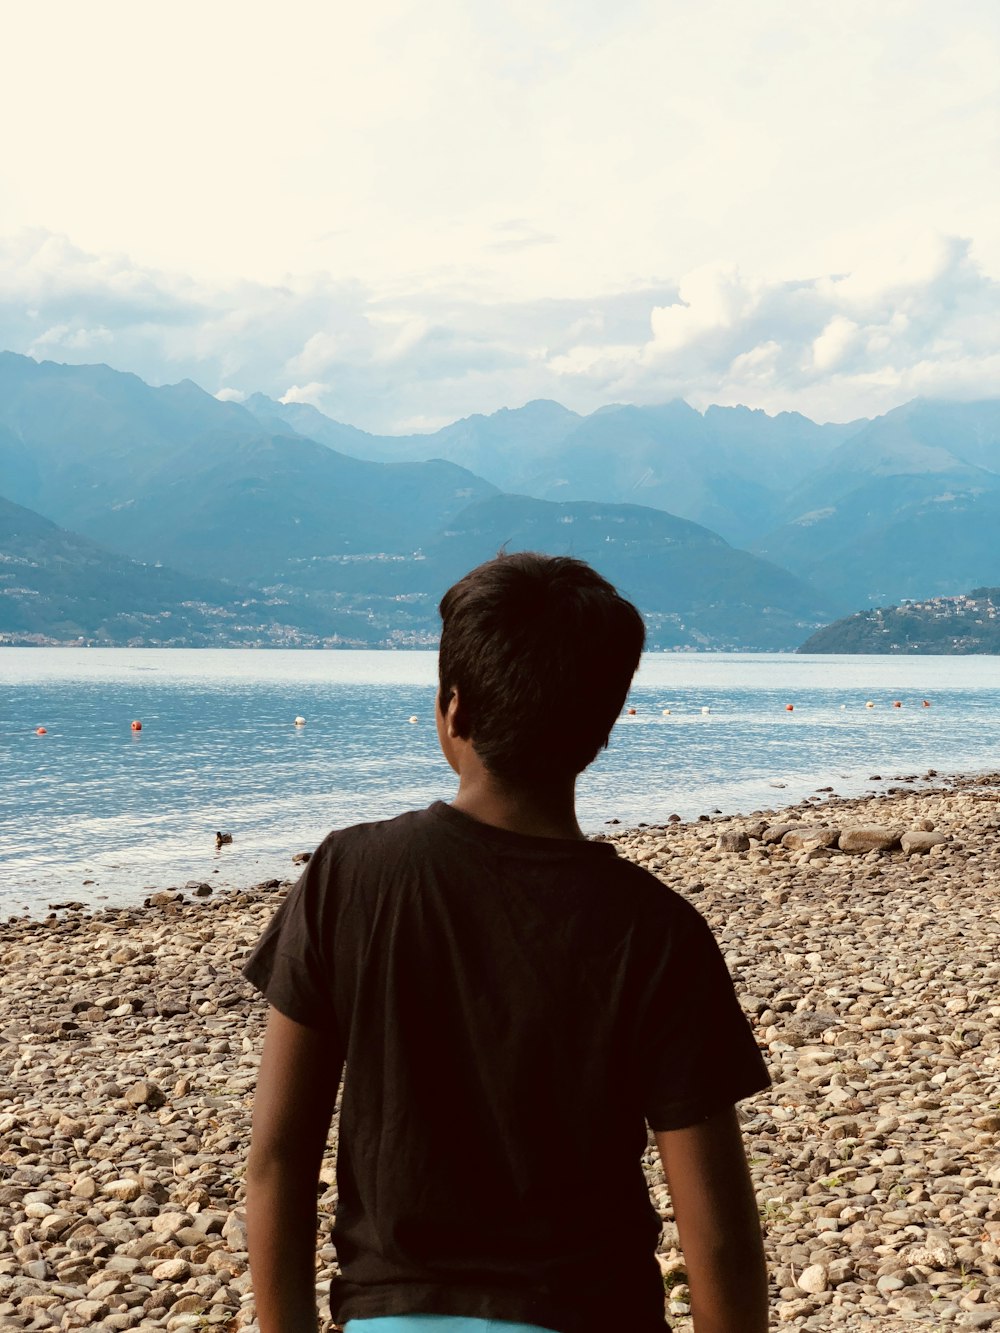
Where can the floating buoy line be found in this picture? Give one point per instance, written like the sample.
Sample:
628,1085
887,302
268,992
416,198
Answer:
789,708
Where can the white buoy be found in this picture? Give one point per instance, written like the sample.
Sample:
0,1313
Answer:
869,704
300,721
414,718
705,708
666,712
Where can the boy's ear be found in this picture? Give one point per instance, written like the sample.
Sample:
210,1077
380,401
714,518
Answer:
451,707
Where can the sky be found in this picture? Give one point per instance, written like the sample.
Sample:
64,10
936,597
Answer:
405,213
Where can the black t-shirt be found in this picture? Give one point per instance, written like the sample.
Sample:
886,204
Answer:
512,1011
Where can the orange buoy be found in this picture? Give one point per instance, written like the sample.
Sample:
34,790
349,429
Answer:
631,712
789,708
927,703
896,703
41,731
137,726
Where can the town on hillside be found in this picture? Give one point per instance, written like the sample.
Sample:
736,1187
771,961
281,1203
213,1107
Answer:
967,623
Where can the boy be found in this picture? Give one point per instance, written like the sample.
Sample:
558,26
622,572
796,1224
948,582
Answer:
513,1004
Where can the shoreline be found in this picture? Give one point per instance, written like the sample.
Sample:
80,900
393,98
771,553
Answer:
241,870
129,1042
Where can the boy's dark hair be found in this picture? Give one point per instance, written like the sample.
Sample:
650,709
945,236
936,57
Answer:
542,651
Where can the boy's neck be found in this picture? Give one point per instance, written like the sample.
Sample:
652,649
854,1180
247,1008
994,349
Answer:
549,812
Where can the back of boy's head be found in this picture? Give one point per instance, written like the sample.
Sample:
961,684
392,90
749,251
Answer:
542,651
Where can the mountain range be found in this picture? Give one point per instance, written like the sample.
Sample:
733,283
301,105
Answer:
270,522
905,505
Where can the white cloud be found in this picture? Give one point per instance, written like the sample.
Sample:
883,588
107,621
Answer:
713,299
586,324
591,361
313,393
837,340
66,338
758,366
833,346
317,351
231,395
922,321
401,334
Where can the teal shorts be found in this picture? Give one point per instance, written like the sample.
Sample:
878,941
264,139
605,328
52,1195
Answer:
438,1323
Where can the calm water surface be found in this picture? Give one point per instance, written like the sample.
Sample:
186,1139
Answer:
92,800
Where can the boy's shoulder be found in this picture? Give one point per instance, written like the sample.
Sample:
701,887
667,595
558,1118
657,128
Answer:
442,826
399,831
439,834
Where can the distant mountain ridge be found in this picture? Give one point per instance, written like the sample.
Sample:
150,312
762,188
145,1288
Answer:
834,516
907,507
713,468
870,511
172,474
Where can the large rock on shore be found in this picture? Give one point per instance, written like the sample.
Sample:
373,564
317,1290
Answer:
917,840
868,838
776,832
808,837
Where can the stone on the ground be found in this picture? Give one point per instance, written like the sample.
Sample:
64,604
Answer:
734,840
867,838
916,840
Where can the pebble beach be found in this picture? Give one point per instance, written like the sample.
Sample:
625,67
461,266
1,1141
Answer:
864,938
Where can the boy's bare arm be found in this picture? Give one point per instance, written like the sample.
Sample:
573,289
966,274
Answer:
293,1105
716,1214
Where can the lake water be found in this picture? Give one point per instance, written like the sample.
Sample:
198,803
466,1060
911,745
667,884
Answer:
92,800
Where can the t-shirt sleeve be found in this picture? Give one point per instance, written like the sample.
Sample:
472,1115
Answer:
288,963
698,1051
